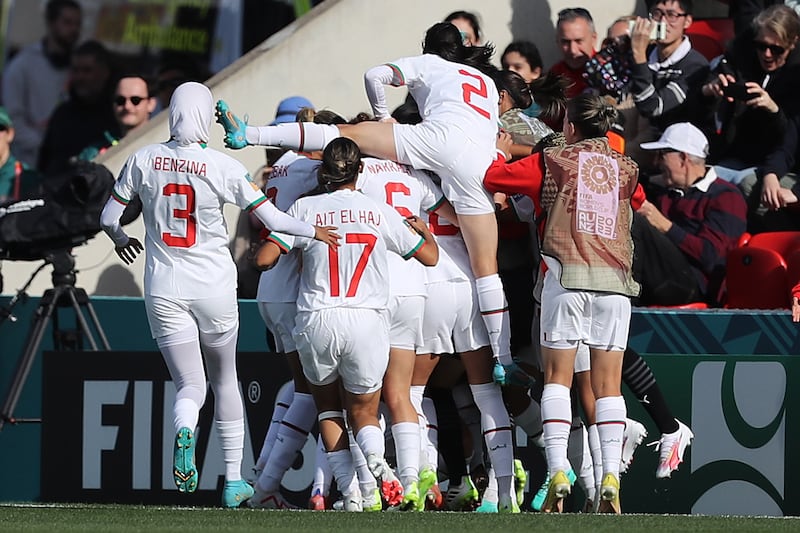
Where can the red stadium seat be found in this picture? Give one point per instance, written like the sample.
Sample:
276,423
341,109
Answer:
756,279
783,242
710,36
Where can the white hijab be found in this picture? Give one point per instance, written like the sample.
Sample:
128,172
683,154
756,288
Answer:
190,112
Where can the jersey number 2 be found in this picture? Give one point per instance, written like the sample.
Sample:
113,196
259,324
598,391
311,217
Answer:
469,90
368,240
186,214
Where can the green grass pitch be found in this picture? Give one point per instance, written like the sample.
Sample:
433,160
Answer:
123,518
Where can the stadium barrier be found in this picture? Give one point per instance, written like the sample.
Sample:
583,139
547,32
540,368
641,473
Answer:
106,434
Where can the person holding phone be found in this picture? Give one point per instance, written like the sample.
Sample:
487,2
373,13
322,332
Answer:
753,86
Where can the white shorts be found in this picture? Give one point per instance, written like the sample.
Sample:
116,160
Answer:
279,318
600,320
452,322
534,355
210,315
349,343
405,321
459,162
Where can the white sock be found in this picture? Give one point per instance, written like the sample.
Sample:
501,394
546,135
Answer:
282,402
431,435
556,423
407,447
610,417
231,435
323,475
300,136
494,311
365,477
490,494
496,426
187,413
292,436
341,463
580,457
597,455
530,420
370,440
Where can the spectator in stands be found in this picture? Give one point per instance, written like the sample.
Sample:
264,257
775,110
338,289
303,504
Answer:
666,81
132,105
86,115
577,39
35,80
753,123
17,179
682,237
523,57
469,26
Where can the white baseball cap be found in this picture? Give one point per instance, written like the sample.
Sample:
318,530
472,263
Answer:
682,137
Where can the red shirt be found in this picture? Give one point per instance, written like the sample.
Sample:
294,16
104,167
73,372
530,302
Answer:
575,76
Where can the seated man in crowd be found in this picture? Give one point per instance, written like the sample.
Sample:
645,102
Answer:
683,235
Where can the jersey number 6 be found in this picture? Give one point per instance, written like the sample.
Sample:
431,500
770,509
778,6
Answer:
368,240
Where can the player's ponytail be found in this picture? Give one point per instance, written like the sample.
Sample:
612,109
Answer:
341,164
444,40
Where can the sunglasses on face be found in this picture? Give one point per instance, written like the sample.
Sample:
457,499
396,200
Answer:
774,49
135,100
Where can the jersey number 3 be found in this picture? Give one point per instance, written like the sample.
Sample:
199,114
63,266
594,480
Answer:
187,214
368,240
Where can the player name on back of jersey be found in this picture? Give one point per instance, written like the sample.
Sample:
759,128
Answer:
348,216
187,166
377,166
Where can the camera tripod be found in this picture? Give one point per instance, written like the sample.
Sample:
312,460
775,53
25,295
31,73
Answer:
63,294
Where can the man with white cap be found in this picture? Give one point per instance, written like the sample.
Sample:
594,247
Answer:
682,235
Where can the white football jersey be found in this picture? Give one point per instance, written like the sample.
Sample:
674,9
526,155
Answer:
355,274
455,94
292,176
410,192
183,190
453,262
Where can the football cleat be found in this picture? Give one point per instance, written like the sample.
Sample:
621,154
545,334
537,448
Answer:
412,500
317,502
353,502
235,128
633,436
609,495
487,506
461,497
520,479
235,493
508,505
541,495
184,471
391,489
671,447
427,480
269,500
558,489
372,503
511,374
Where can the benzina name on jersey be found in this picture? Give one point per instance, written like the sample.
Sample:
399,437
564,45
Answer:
348,216
187,166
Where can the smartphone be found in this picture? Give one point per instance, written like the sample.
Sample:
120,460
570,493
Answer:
738,91
657,32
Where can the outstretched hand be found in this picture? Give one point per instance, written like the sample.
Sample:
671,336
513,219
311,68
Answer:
129,252
327,235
